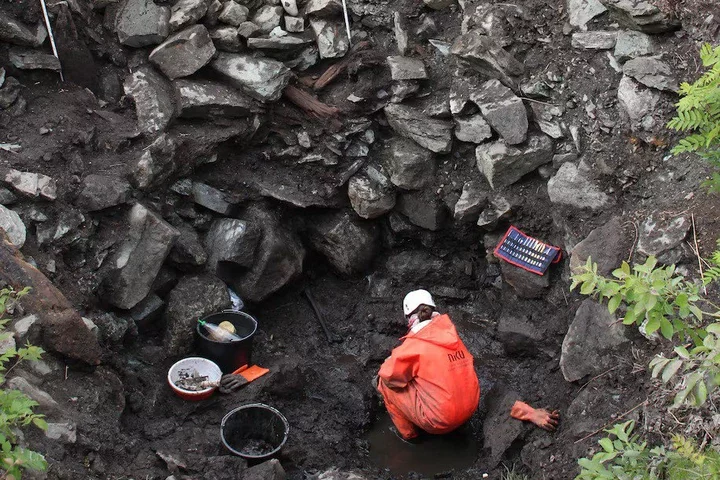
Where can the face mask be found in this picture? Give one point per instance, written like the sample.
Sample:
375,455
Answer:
413,320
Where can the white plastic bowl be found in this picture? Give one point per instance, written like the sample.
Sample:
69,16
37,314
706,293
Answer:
204,367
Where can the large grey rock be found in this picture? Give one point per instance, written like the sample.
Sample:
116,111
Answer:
651,72
194,297
473,129
45,400
642,15
138,260
102,191
25,59
423,208
570,186
268,17
156,164
12,225
503,110
141,23
294,24
638,102
248,30
184,53
278,258
503,165
205,98
348,243
607,245
526,284
211,198
261,78
661,232
187,12
632,44
435,135
371,193
233,13
406,68
439,4
411,167
473,199
500,430
592,342
31,184
188,251
595,40
487,56
270,470
521,334
331,37
226,39
580,12
323,8
153,98
231,244
13,31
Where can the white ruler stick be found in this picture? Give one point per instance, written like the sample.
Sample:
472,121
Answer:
52,37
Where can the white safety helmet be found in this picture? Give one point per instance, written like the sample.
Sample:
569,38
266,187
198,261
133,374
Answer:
416,298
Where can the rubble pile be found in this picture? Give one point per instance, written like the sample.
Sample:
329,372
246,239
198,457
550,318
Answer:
233,143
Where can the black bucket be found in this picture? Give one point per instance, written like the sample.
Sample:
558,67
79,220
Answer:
229,356
255,431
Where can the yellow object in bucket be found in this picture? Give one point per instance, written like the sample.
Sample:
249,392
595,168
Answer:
227,326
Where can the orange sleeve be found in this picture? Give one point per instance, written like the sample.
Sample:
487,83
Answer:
399,368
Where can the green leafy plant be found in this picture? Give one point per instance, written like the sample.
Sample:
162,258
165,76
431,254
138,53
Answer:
698,113
16,409
660,300
712,274
625,457
653,295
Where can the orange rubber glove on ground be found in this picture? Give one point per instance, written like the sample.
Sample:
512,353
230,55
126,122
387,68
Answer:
542,418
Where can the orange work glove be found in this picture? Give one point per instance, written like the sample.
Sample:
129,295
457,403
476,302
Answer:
542,418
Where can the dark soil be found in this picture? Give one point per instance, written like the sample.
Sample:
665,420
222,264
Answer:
125,410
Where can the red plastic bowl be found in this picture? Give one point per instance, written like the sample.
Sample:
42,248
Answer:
204,367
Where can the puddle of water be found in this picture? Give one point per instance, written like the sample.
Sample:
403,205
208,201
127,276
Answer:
430,455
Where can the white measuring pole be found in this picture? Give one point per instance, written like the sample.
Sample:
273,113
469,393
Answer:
347,22
52,37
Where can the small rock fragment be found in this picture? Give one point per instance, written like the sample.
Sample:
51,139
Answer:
406,68
331,37
595,40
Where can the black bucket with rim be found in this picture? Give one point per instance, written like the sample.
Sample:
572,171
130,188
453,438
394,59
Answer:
229,356
255,431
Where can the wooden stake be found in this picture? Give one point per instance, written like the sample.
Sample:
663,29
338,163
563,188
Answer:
697,253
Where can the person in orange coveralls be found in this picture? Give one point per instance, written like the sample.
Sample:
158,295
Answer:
428,383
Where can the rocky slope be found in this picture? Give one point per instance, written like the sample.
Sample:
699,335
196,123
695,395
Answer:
196,145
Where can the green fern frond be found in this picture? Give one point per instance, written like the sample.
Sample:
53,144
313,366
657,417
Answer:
698,114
